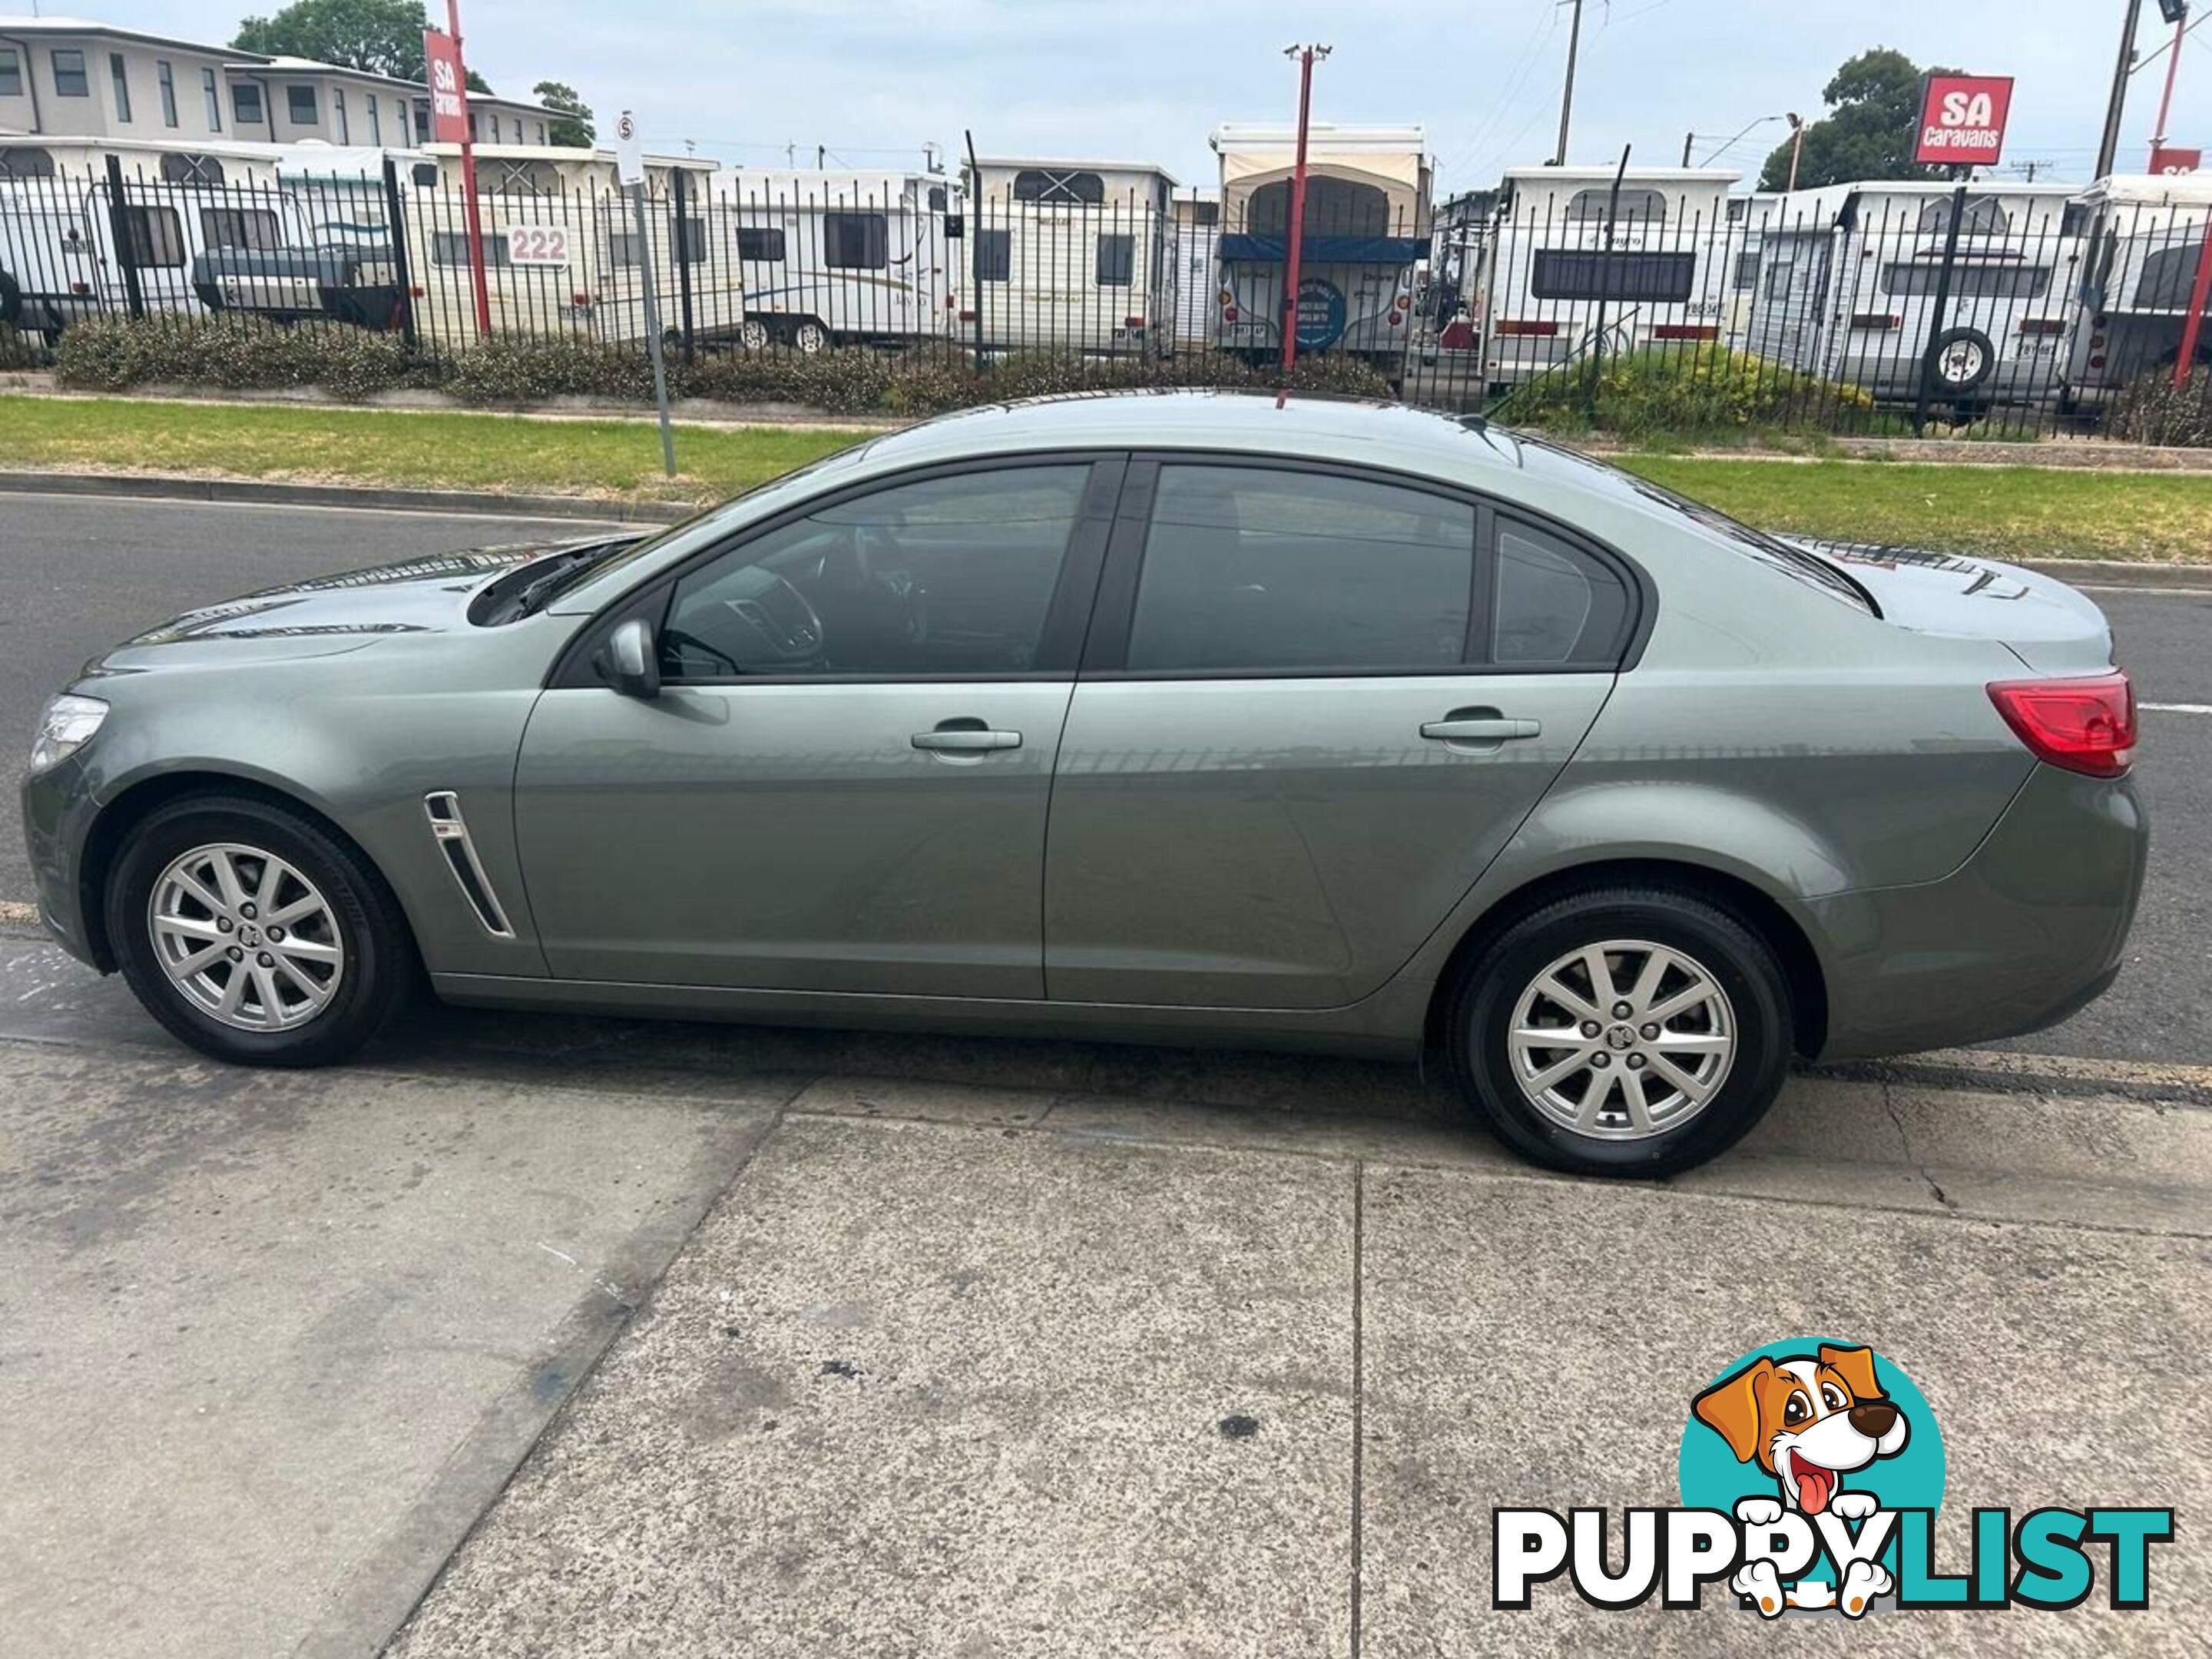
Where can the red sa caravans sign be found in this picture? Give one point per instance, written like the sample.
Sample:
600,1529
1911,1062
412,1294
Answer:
1962,120
449,97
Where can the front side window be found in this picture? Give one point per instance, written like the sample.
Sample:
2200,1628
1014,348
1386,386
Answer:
1552,605
213,96
1116,264
246,227
70,80
450,247
1983,217
2168,278
155,237
245,103
691,242
184,167
1603,274
1259,569
994,256
946,576
1646,206
300,105
762,245
121,78
855,241
1059,187
166,78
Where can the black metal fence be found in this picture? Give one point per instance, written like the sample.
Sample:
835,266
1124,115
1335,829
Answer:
2005,312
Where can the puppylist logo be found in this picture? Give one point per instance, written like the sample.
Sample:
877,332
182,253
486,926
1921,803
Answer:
1810,1473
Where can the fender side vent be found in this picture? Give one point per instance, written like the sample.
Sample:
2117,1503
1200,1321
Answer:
451,831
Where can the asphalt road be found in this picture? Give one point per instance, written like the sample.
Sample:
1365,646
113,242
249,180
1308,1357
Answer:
76,574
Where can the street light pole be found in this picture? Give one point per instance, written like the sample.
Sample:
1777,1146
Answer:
1305,55
1796,146
2166,98
1567,95
2109,145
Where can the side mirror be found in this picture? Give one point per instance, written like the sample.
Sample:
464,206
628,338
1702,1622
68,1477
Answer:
630,659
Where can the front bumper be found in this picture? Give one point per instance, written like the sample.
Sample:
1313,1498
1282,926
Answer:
58,810
2027,932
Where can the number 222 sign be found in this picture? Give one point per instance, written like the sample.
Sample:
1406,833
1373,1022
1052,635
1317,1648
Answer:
537,245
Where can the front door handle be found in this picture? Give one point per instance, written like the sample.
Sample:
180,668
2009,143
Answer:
1480,728
965,736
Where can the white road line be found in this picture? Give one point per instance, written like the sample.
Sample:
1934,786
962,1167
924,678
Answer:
2176,708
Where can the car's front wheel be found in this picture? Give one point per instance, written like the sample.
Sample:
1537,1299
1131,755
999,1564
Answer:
254,934
1622,1031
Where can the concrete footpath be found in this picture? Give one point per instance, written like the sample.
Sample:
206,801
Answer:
539,1336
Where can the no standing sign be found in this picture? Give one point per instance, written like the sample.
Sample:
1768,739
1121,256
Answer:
1962,120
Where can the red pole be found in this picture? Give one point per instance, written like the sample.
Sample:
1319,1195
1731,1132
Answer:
1298,228
468,181
2166,98
2187,358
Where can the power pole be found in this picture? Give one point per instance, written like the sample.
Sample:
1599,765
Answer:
2109,145
1567,94
1305,56
1688,139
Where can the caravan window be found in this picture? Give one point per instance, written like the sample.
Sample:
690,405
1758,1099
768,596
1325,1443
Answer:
691,241
1983,217
183,167
1053,187
246,227
855,241
155,237
938,200
1777,279
760,244
450,247
1645,204
1747,269
994,256
1334,207
1969,282
2168,277
26,162
1116,264
1602,274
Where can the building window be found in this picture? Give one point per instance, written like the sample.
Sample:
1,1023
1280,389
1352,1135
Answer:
762,244
855,241
1054,187
994,256
11,73
122,86
214,99
255,228
421,125
246,104
167,78
156,238
338,115
69,74
375,124
1117,261
300,106
541,132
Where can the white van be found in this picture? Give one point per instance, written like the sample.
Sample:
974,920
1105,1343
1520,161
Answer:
2144,234
1366,229
835,258
1076,256
1848,276
1646,254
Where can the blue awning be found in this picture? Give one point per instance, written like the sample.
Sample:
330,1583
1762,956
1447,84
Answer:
1327,250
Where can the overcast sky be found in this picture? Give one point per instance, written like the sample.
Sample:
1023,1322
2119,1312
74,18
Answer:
1148,79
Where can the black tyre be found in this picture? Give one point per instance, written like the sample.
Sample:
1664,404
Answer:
254,935
1546,1054
1960,359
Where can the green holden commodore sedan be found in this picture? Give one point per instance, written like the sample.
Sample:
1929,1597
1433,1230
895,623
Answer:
1157,718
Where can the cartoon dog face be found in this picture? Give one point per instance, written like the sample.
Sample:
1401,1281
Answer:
1806,1422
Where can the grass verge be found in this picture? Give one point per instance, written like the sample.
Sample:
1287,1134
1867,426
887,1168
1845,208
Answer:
2015,512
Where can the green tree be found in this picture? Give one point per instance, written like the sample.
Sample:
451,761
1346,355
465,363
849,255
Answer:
382,36
1874,104
574,128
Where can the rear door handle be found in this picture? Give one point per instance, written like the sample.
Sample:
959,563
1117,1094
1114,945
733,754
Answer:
1480,729
965,738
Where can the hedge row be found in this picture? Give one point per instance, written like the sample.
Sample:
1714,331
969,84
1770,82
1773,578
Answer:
115,354
1662,392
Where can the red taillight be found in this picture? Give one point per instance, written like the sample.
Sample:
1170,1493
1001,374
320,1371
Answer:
418,293
1228,315
1511,326
2043,324
1883,320
580,299
1686,331
1133,322
967,316
2084,725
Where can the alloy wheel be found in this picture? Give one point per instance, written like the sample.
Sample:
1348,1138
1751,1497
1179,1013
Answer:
245,938
1622,1039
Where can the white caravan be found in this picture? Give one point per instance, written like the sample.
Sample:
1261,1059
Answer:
2144,235
1847,281
1070,255
1366,228
560,245
1195,223
1642,257
836,258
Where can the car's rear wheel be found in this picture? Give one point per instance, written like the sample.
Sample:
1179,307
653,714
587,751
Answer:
1622,1031
254,934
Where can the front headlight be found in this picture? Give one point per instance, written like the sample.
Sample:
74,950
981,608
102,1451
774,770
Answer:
66,726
